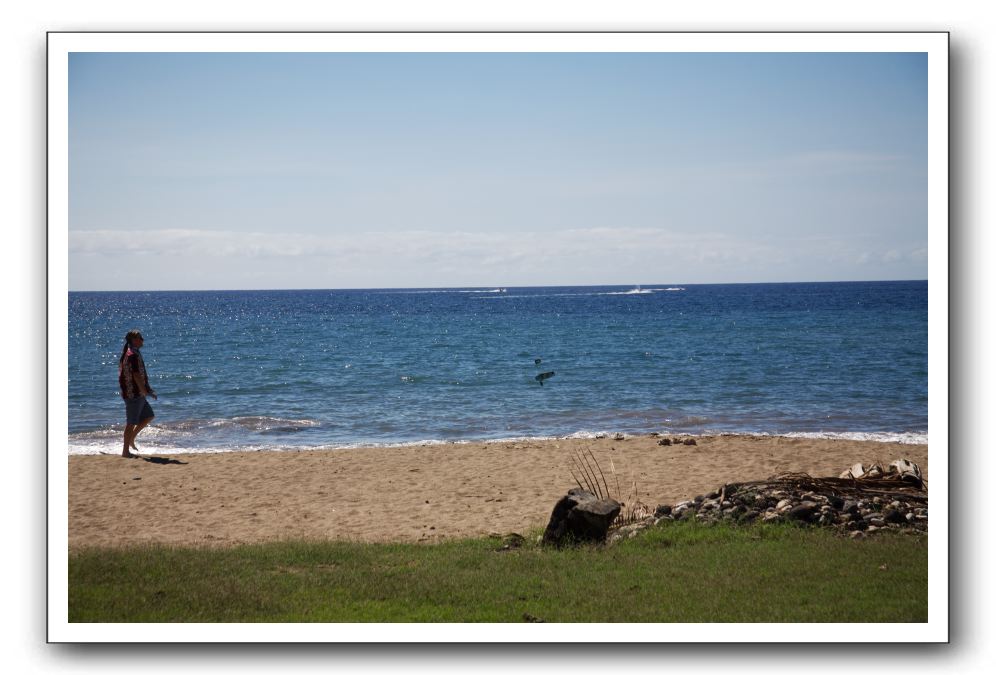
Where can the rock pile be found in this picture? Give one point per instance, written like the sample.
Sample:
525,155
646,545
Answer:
679,440
860,501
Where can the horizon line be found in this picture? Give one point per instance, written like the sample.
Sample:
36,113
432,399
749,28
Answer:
496,286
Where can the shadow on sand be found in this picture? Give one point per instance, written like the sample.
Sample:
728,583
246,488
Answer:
160,460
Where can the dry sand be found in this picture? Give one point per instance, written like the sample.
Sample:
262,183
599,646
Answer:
415,493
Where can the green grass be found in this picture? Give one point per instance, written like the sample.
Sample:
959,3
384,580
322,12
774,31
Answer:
684,572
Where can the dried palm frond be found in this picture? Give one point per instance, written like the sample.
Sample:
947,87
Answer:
890,485
583,460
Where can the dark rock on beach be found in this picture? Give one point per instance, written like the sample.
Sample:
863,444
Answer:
580,517
805,512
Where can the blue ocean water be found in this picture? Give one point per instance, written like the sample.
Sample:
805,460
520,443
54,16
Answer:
341,368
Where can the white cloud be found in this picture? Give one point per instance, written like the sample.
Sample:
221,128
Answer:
488,247
178,258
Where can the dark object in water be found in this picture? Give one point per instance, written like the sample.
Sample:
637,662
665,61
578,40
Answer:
538,361
544,376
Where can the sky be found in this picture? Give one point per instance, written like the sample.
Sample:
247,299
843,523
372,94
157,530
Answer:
392,170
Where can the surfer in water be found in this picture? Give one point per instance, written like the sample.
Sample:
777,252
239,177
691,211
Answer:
134,384
544,376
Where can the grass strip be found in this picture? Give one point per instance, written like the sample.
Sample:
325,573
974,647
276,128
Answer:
682,572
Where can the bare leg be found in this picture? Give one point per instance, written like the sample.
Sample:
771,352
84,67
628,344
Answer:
138,427
128,440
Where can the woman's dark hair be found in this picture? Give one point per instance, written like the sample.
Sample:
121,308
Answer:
132,334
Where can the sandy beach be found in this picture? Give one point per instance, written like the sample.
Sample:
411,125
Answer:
414,493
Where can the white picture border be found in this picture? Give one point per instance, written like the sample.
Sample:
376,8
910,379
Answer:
60,45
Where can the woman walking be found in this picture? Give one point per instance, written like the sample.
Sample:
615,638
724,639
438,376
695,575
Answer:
134,384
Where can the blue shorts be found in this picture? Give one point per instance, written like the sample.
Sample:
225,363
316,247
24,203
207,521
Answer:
138,409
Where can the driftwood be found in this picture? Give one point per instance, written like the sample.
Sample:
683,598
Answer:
889,485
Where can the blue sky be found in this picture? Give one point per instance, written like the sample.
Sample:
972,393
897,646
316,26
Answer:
225,171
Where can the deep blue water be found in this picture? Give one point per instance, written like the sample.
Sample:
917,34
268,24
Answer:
293,369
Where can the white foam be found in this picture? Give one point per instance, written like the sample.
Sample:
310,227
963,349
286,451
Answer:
906,437
113,446
641,291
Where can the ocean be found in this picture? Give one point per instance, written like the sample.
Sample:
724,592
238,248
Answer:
259,370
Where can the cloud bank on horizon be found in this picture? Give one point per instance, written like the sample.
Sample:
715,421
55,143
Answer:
226,171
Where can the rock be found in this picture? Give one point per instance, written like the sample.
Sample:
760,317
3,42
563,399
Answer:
783,505
664,441
511,541
856,471
806,512
894,516
850,507
580,516
662,510
857,534
835,501
908,472
620,437
690,441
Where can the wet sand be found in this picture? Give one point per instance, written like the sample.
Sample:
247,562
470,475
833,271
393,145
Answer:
414,493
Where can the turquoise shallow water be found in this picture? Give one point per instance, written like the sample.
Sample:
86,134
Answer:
303,369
